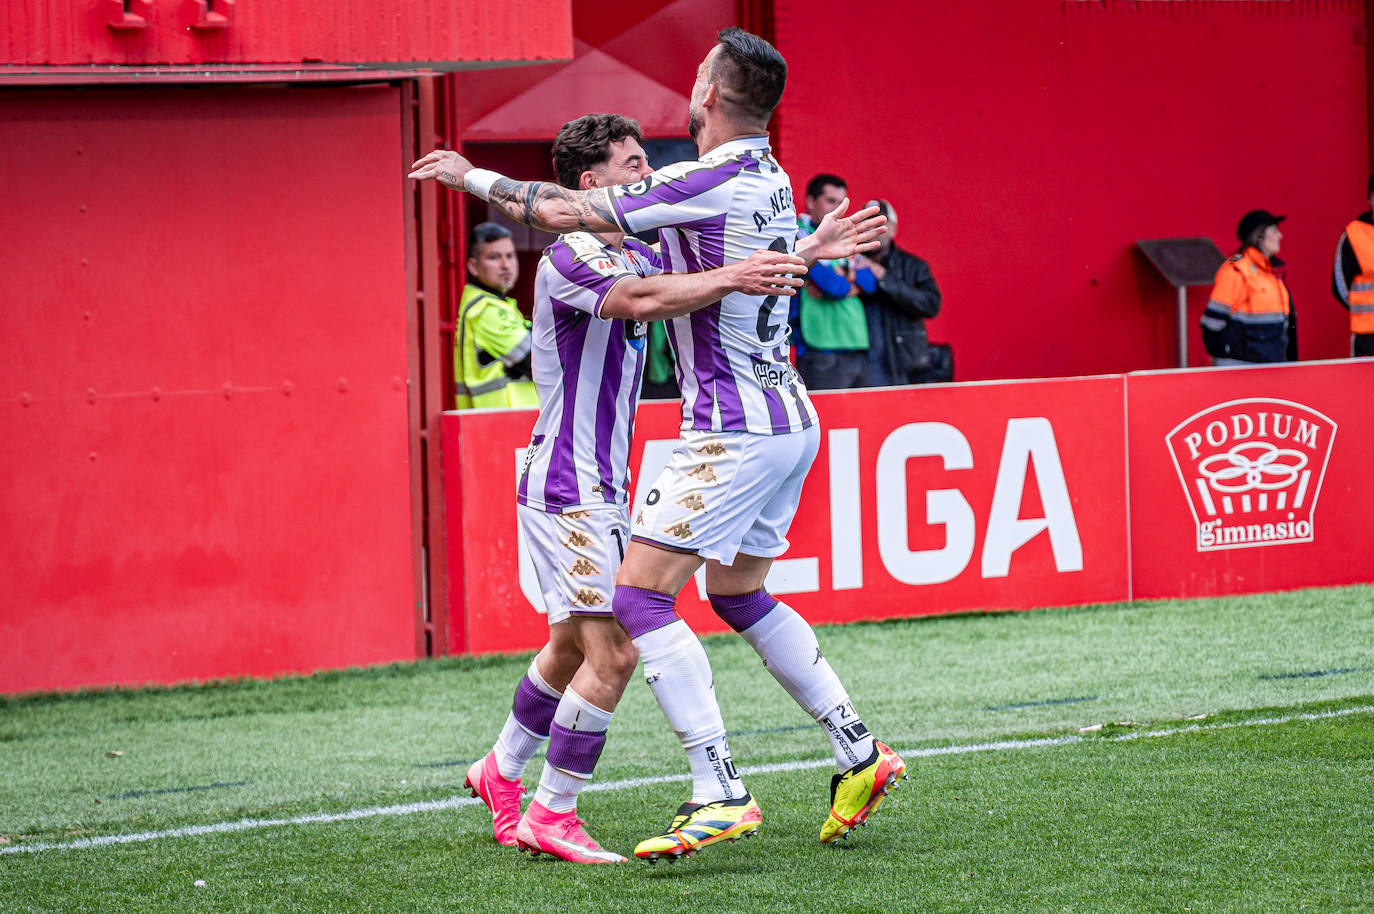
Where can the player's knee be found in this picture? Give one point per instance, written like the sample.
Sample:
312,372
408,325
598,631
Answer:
742,611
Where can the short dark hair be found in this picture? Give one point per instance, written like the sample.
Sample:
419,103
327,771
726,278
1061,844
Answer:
485,233
586,142
817,185
749,72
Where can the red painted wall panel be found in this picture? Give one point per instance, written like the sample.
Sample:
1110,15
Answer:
1027,151
203,460
39,32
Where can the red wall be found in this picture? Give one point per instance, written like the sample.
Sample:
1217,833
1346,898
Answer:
41,32
203,457
1027,150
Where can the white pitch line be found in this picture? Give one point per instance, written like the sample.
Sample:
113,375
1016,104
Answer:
456,802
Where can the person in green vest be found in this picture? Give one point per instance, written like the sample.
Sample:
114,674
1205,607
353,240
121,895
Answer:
491,338
832,330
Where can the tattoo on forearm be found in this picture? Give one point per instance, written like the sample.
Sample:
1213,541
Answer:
521,201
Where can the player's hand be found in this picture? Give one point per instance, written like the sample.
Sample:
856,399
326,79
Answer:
769,273
841,236
442,165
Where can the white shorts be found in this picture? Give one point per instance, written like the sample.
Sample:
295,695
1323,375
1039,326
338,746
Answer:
723,493
576,556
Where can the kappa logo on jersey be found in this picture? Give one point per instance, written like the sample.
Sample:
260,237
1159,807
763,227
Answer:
1252,470
578,538
584,568
703,472
588,597
692,502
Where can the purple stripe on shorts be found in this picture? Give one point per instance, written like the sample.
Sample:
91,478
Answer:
570,332
743,611
575,750
533,707
640,611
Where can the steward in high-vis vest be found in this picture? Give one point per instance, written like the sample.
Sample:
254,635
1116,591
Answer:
491,338
1249,317
1352,277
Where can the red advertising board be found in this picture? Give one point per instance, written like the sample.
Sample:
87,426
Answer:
1250,479
922,500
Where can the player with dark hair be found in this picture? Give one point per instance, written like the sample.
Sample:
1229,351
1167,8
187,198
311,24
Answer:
593,295
749,435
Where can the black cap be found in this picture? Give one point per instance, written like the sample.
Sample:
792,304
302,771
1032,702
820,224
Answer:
1254,220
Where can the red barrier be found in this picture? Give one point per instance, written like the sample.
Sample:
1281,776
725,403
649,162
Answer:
1251,479
922,500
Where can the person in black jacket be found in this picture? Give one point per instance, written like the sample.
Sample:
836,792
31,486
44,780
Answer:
899,294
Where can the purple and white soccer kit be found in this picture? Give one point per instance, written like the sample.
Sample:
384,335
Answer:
749,428
573,490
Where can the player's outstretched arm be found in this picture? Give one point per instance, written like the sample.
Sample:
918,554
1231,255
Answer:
667,295
839,235
540,204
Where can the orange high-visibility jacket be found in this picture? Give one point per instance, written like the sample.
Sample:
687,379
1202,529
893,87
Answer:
1359,296
1248,314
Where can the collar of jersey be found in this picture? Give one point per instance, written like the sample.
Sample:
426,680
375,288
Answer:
736,146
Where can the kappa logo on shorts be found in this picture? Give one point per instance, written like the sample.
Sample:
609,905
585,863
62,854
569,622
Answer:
712,449
577,515
703,472
584,568
639,519
682,530
578,538
692,502
588,597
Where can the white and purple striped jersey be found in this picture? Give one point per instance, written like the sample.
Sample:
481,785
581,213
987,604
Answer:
732,363
587,372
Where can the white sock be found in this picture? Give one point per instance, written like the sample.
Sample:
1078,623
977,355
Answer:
679,673
790,651
559,787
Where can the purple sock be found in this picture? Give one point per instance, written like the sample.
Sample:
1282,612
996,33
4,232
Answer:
641,611
575,750
743,610
533,707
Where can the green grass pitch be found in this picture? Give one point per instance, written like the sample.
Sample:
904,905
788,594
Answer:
1208,755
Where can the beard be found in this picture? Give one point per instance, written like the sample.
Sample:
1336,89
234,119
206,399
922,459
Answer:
693,122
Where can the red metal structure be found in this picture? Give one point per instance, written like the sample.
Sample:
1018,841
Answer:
219,317
226,315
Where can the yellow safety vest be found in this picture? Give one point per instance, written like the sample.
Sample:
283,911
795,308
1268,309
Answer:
490,334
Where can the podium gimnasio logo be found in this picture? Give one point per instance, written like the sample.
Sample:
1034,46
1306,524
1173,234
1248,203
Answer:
1252,470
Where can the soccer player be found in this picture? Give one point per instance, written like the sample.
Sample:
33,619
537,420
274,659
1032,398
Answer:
594,294
749,435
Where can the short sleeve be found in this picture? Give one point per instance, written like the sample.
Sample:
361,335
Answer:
580,272
673,196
